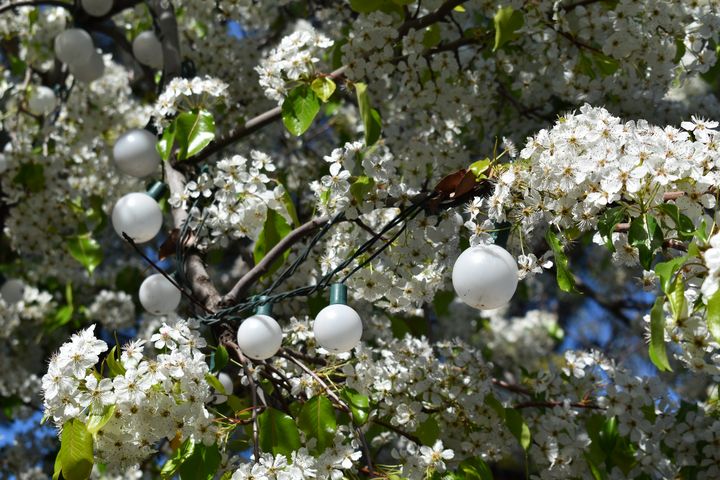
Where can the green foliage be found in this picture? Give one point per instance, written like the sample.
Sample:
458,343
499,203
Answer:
480,167
86,250
97,421
75,459
370,116
115,368
323,87
361,187
507,21
666,270
518,427
172,465
278,433
428,431
64,314
299,109
608,448
193,132
565,279
646,235
317,420
607,222
201,464
215,383
219,358
676,297
470,469
31,177
386,6
167,141
713,315
657,337
683,225
359,404
274,230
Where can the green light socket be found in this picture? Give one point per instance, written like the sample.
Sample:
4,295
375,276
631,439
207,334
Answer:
338,294
265,308
157,190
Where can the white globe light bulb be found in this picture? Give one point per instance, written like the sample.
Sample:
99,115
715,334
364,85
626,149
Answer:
89,71
135,154
97,8
259,337
147,49
12,291
74,46
138,215
338,328
42,100
158,295
485,276
227,383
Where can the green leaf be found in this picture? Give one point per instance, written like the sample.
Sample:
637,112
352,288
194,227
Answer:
507,21
606,65
646,235
713,315
475,469
367,6
683,225
480,167
278,433
166,142
96,215
96,422
57,467
361,187
607,222
86,250
194,132
172,465
201,464
679,49
221,358
76,451
518,427
358,403
290,207
317,420
215,383
370,116
31,176
666,270
657,353
299,109
323,87
274,230
428,431
432,36
676,297
565,279
115,367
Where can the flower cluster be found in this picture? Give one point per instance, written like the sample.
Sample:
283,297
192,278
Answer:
294,58
150,398
114,310
182,94
233,201
330,464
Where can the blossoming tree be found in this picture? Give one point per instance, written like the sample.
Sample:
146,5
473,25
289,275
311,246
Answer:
393,239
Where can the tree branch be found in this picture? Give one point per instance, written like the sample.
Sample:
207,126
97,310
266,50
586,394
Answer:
243,285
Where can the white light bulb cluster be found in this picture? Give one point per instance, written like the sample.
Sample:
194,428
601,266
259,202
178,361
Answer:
485,276
137,214
75,48
158,295
147,50
337,328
